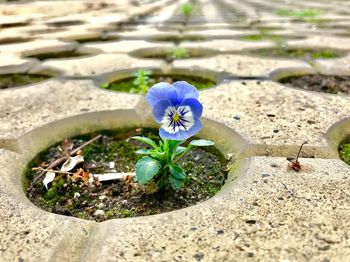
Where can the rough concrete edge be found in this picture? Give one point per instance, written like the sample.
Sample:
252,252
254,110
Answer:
337,133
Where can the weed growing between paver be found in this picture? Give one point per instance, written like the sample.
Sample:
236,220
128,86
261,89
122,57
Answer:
320,83
344,151
16,80
58,55
72,195
127,85
269,37
298,53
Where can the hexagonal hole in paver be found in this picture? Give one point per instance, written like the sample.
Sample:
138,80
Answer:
138,81
175,53
17,80
14,40
103,38
65,23
269,37
332,84
179,38
297,52
60,55
82,191
344,150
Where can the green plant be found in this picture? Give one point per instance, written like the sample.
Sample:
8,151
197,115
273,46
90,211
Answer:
300,14
141,82
177,109
187,9
179,53
344,152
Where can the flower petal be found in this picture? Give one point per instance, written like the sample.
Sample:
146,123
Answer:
162,91
185,90
182,135
160,108
195,105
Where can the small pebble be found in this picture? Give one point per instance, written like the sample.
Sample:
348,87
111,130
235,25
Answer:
76,195
265,175
111,164
99,212
197,157
101,205
102,197
236,117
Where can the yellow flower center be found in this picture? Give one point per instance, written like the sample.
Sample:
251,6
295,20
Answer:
176,117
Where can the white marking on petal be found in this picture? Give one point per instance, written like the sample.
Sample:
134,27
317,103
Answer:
177,119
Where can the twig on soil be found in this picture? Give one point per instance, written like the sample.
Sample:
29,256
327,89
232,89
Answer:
62,159
52,170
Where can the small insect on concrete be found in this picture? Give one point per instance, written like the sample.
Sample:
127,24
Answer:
294,162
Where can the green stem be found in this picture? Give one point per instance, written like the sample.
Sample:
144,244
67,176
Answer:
183,153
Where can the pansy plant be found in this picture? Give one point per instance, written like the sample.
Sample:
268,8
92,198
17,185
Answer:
177,109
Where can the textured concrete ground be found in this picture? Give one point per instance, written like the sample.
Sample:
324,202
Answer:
265,212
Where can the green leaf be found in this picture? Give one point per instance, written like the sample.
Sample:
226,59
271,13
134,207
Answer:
179,150
201,142
146,169
173,144
143,151
146,140
176,183
177,176
177,172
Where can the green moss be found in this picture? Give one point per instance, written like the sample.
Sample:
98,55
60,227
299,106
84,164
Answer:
15,80
55,193
303,13
126,213
178,39
300,53
262,37
126,85
344,152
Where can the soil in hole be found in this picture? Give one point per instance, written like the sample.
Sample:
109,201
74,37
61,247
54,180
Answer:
7,41
98,39
126,85
344,151
178,39
72,195
299,53
15,80
66,23
320,83
58,55
175,54
269,37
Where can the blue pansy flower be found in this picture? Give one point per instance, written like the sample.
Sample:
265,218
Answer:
176,108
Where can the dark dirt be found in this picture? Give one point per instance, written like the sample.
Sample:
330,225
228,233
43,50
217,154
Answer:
125,85
58,55
15,80
206,169
320,83
171,55
344,151
177,39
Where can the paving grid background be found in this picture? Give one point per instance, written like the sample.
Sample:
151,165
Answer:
269,213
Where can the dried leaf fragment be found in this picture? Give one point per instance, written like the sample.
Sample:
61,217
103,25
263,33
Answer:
71,163
49,177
